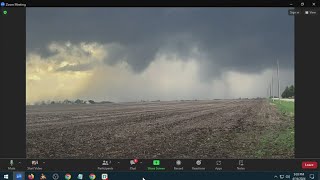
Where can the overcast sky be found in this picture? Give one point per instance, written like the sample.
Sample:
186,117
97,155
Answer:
133,54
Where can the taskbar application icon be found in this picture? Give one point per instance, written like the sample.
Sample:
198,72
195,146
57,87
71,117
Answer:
18,176
67,176
31,176
104,176
92,176
56,176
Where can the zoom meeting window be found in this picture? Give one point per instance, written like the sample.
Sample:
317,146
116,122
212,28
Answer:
159,83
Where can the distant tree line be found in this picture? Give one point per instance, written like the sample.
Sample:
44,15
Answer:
288,92
78,101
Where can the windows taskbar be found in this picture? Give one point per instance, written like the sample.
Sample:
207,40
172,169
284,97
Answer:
160,176
156,165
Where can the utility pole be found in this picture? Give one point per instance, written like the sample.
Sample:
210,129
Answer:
278,81
270,90
272,86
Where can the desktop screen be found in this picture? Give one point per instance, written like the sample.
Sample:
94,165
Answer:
159,90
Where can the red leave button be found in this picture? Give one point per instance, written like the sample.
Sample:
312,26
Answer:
309,165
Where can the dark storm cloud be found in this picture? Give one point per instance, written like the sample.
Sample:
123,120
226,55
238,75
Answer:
240,39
